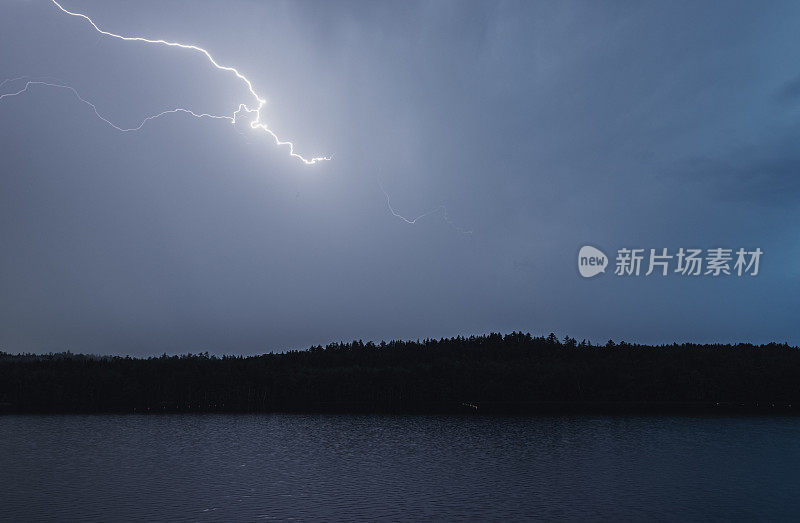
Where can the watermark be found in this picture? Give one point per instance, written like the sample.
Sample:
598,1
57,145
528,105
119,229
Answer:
714,262
591,261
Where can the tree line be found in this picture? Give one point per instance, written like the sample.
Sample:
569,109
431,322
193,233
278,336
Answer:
515,372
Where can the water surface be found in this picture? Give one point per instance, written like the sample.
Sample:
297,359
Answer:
236,467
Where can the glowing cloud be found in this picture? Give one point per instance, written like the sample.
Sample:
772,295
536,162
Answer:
252,111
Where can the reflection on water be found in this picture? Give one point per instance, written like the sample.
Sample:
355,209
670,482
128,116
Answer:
220,467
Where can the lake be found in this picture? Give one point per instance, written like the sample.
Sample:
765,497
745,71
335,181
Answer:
252,467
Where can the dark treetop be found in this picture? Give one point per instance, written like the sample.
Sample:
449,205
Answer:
494,373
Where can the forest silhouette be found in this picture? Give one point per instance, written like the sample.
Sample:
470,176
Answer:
495,373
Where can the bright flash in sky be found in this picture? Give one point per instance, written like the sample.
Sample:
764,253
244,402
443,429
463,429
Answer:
252,110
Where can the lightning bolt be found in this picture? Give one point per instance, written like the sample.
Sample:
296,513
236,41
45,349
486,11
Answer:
411,221
253,111
30,83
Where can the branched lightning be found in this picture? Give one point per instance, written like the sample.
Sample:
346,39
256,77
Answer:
251,111
29,83
254,112
411,221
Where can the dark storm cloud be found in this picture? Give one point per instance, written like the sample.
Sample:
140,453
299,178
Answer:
790,91
767,174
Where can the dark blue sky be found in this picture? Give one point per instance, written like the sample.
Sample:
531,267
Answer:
541,126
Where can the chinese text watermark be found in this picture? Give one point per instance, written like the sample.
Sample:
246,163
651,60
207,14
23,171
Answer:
712,262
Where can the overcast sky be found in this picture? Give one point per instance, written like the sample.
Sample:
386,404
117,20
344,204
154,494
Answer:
539,126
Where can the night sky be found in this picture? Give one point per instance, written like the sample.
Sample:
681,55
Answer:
538,126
